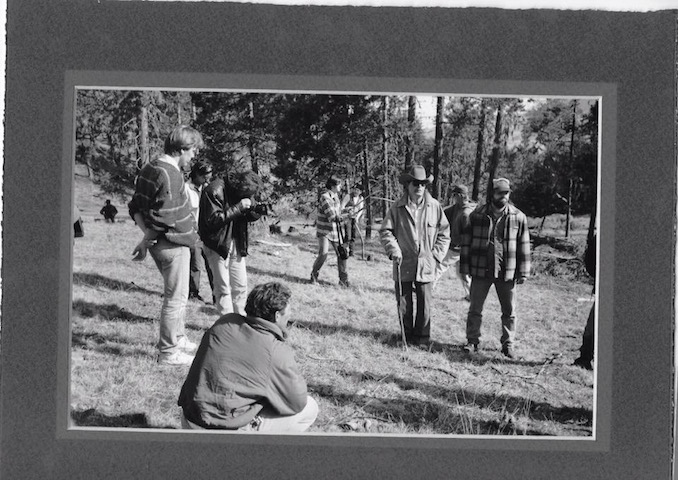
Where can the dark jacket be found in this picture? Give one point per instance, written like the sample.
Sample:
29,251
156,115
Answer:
241,366
221,218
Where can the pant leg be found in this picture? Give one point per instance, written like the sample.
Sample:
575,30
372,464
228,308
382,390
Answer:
194,277
479,290
173,262
342,263
586,349
270,421
506,291
422,326
323,249
405,307
237,270
222,288
207,267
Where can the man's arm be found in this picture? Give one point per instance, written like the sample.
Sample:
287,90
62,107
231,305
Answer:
442,241
287,389
523,256
388,237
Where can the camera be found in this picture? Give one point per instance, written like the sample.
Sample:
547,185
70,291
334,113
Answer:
262,208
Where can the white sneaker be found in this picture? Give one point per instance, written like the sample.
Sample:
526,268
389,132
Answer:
186,345
178,358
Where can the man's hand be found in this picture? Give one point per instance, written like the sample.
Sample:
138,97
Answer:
397,259
520,280
245,204
141,249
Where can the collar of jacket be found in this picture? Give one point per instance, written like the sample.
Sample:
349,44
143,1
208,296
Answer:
510,209
265,325
402,201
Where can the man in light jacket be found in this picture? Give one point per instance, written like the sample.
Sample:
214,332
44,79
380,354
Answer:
416,237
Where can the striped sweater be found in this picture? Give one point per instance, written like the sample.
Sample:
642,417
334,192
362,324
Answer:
329,211
161,197
516,245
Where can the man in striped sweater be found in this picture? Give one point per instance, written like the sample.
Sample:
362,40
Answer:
495,251
161,209
328,223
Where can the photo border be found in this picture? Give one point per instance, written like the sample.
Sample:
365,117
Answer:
47,39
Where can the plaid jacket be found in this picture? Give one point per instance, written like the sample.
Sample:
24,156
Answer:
329,211
476,239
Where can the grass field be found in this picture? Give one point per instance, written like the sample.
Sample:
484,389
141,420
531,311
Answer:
345,340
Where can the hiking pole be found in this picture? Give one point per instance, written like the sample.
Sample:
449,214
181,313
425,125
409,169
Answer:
400,315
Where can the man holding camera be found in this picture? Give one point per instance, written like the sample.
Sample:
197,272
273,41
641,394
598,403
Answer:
226,207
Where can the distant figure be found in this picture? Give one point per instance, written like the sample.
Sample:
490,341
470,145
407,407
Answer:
416,236
587,342
329,228
200,176
109,212
78,229
161,209
354,205
495,251
458,216
244,376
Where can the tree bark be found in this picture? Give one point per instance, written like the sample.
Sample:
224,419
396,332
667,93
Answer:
409,141
496,148
143,133
367,190
384,150
570,181
438,150
479,152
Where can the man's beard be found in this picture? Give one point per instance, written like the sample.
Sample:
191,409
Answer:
499,203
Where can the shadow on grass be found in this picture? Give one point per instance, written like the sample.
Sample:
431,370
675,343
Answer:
445,414
99,281
93,418
109,312
106,344
280,275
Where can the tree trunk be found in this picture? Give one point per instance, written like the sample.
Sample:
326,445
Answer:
570,182
479,152
384,153
496,148
143,133
367,190
251,143
409,141
438,150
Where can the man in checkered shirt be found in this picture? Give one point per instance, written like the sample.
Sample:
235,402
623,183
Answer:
495,251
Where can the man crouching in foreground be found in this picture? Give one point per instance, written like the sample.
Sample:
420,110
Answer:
244,377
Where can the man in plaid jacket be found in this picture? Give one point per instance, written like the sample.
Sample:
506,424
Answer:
495,251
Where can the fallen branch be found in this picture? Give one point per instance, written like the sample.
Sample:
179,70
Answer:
273,244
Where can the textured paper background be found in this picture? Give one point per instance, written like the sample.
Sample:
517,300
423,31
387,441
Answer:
633,51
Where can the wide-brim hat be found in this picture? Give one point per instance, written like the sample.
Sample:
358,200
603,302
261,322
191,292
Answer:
415,173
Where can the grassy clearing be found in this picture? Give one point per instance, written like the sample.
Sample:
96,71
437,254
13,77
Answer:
346,342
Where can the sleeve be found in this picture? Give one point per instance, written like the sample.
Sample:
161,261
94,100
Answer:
387,235
327,209
465,253
442,242
287,391
150,194
523,257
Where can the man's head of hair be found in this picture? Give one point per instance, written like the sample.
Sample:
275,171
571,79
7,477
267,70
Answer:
181,138
245,184
333,181
201,167
267,298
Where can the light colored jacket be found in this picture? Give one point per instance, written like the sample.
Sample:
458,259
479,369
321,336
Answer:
420,248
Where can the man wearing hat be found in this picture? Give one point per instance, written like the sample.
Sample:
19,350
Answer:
416,236
495,251
458,215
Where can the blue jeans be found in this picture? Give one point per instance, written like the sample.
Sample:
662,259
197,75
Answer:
229,276
480,287
173,262
323,250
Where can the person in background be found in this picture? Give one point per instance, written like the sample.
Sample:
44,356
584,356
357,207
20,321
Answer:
329,221
201,175
226,207
244,377
458,216
586,350
161,209
354,206
495,251
109,212
416,236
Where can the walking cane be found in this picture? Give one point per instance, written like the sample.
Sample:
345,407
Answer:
400,315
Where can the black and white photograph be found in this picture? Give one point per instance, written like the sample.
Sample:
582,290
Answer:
431,258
